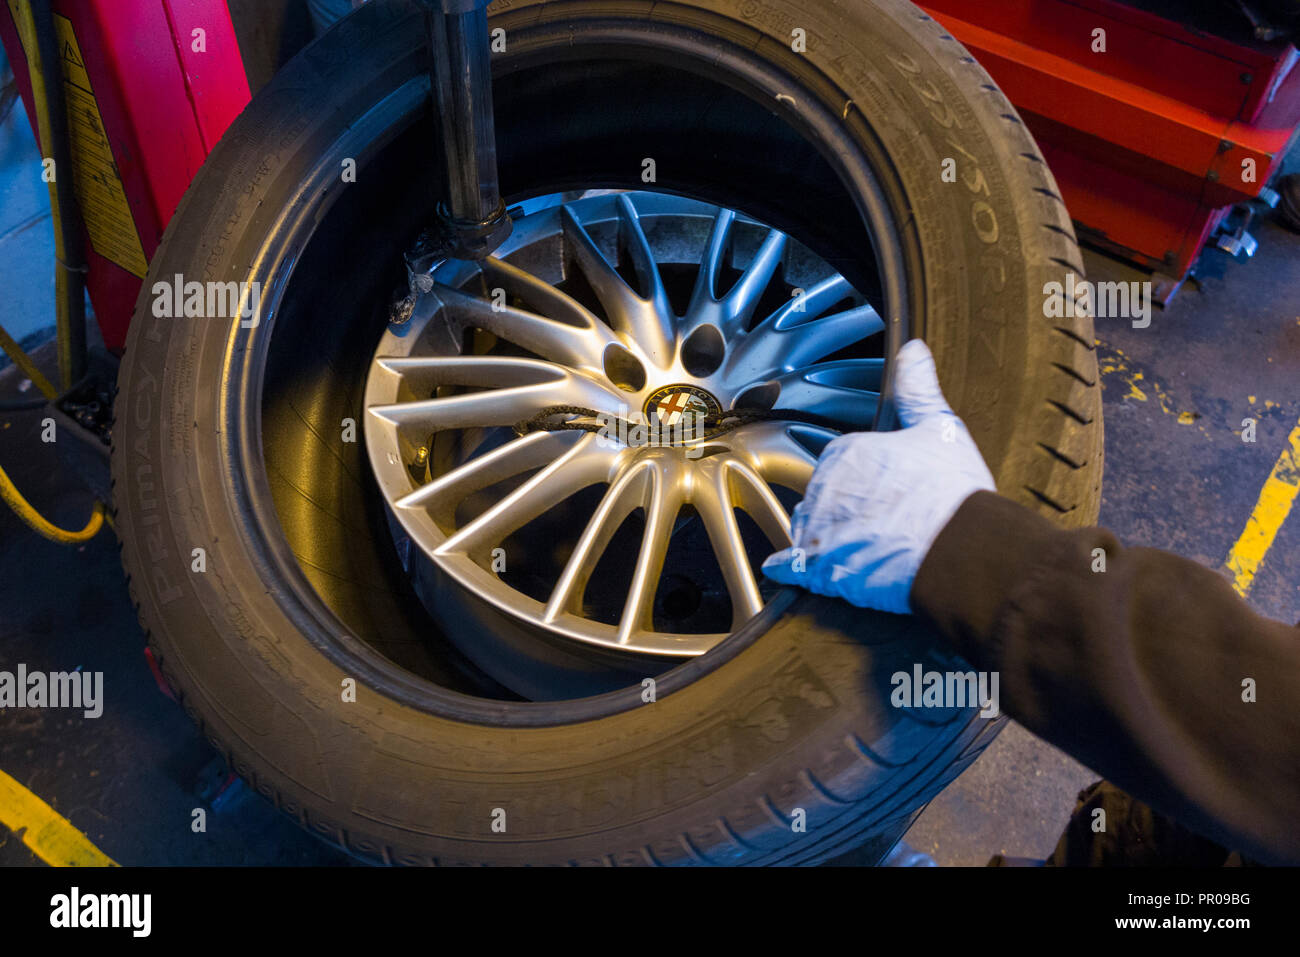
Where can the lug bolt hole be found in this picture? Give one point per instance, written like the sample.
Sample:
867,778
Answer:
703,351
624,369
679,598
760,398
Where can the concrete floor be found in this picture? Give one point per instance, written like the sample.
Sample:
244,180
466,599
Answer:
1178,477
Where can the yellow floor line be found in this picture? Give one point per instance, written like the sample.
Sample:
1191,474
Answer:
1274,504
49,835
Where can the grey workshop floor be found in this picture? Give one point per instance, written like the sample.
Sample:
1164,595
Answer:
1178,477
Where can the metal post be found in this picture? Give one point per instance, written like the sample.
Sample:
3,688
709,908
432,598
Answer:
474,218
35,22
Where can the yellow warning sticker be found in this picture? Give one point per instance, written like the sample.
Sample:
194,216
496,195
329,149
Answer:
95,177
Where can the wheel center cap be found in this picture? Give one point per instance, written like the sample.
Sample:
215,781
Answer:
681,409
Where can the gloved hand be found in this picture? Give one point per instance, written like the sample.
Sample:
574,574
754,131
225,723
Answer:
878,500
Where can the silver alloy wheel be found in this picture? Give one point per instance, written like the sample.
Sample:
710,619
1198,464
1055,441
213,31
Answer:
576,310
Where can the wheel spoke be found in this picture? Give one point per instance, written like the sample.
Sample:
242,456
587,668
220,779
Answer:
845,391
744,296
647,269
714,501
663,502
514,458
570,345
729,484
583,465
755,497
780,451
625,493
537,293
732,312
648,322
811,305
715,254
517,389
770,349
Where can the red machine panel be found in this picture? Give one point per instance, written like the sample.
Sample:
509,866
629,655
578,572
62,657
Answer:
1153,132
150,86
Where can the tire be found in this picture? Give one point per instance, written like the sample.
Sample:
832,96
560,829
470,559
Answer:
301,590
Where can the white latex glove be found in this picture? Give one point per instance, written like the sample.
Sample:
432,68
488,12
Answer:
878,500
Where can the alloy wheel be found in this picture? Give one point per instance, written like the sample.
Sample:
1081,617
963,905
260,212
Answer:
547,427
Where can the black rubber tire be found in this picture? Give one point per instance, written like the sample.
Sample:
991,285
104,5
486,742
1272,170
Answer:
793,711
1288,208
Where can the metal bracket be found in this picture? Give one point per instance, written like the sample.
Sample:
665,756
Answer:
1233,236
1259,22
1238,243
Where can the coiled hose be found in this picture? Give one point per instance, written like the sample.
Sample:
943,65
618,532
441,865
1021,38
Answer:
38,523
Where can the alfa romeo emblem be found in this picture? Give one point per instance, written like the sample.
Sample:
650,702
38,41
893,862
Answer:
681,407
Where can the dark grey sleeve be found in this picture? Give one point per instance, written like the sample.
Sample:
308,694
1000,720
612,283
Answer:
1153,672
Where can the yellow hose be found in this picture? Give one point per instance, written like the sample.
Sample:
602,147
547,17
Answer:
38,523
26,24
24,362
